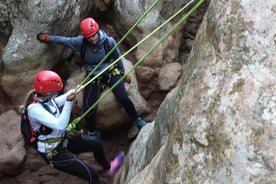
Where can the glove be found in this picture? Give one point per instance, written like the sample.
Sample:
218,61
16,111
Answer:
128,79
43,37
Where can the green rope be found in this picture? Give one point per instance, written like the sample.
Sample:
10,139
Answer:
136,45
73,124
118,43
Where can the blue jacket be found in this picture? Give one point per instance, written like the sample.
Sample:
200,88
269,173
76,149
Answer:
93,53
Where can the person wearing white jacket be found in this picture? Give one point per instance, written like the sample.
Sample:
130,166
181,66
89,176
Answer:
43,106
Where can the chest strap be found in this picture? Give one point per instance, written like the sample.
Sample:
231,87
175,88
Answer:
52,140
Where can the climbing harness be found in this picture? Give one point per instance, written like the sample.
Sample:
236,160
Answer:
50,155
60,147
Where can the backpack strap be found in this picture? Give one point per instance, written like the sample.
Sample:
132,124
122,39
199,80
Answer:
83,48
107,47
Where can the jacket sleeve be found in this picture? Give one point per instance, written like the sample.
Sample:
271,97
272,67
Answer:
40,115
60,100
74,43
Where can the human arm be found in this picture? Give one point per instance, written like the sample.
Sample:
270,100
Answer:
61,99
39,115
120,65
74,43
117,54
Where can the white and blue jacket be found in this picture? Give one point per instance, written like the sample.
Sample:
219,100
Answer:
56,120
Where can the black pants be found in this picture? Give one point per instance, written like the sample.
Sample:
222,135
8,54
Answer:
92,92
65,159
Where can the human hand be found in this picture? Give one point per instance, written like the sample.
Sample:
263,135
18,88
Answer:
80,87
43,37
128,79
71,96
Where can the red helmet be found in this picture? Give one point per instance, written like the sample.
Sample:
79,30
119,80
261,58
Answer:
89,27
47,81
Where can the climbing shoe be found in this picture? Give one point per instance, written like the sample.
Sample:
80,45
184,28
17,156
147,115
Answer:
140,123
96,134
116,164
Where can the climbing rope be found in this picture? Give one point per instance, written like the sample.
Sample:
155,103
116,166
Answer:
73,124
118,43
136,45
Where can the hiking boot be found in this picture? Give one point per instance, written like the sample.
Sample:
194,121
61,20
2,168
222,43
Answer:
140,123
96,134
116,164
133,132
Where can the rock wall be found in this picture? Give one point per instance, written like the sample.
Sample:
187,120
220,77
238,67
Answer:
222,126
23,56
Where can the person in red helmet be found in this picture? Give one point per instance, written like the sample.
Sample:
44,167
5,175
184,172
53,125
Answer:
57,146
91,46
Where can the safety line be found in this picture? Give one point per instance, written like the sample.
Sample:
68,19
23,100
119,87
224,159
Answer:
136,45
73,124
118,43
